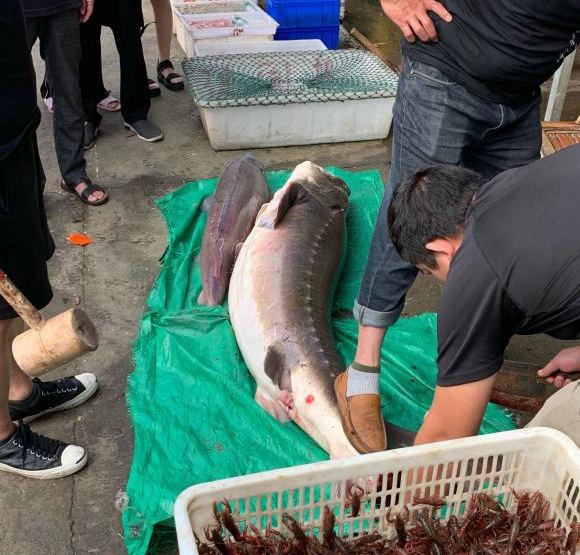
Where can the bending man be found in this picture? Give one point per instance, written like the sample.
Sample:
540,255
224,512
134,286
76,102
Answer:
509,254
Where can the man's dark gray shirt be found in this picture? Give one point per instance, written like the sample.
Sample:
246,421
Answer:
517,270
501,50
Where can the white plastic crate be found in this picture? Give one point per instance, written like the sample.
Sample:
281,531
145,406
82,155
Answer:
297,124
204,7
221,25
532,459
207,48
258,26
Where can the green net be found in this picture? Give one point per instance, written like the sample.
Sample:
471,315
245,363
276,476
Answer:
191,395
287,77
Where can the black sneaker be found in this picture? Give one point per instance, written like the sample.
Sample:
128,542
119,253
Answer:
35,456
47,397
146,130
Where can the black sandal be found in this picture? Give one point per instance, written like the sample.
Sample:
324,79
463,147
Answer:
166,81
86,193
154,88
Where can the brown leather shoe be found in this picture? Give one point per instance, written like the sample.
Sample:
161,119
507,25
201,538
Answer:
361,417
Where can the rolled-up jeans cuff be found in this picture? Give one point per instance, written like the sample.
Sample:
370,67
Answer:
373,318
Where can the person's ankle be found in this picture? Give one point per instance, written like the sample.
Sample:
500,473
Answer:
362,380
6,431
21,390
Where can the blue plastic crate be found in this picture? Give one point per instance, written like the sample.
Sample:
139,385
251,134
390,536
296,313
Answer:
328,35
304,13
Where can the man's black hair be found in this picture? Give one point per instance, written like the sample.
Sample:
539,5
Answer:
428,205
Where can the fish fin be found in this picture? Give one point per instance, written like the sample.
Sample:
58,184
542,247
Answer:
207,203
276,209
275,368
201,299
272,406
237,251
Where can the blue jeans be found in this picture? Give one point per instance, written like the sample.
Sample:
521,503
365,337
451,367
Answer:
437,121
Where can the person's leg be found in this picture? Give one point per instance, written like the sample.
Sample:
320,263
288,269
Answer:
164,30
61,41
135,102
6,425
90,36
25,246
102,92
434,121
20,382
433,124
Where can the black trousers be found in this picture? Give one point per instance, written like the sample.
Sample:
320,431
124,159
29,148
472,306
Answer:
25,241
60,47
125,19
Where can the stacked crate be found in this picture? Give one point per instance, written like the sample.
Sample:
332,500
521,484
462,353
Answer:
220,21
306,19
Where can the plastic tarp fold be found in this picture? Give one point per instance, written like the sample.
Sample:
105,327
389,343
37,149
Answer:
191,396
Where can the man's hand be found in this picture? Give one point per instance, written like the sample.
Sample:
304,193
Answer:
86,10
567,360
412,18
456,411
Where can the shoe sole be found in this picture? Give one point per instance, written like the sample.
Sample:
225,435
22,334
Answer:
49,474
78,400
151,140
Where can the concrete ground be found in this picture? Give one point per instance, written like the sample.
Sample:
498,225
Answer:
110,279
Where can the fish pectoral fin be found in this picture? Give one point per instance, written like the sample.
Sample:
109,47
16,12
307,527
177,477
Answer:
276,369
276,209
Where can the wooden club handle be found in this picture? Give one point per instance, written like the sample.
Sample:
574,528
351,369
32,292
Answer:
20,303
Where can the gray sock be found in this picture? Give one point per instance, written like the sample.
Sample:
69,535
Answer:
362,380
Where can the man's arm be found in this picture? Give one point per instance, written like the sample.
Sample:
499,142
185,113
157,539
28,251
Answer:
456,411
411,17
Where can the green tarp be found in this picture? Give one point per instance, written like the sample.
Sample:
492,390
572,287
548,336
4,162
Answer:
191,395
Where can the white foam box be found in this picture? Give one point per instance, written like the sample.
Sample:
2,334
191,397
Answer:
531,459
207,48
297,124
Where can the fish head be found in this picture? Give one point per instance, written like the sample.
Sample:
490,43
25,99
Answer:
329,190
307,183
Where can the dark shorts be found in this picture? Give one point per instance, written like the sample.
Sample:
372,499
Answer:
25,240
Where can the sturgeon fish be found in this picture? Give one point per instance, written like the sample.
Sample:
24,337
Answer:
279,300
240,193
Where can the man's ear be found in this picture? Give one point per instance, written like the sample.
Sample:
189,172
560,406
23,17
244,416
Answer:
441,246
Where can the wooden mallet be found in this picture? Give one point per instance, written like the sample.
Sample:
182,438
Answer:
48,343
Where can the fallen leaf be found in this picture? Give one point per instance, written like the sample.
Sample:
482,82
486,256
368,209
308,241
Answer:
79,239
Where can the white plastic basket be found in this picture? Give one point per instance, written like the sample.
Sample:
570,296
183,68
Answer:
204,7
207,48
211,26
249,26
533,459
